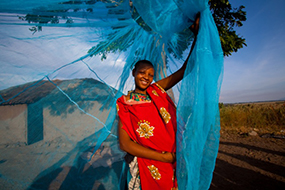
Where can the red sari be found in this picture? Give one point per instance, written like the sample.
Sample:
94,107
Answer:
153,125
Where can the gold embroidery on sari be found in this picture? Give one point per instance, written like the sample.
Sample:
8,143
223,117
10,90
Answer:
145,130
154,172
162,90
165,115
155,93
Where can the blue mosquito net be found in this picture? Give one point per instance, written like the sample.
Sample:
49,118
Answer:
64,64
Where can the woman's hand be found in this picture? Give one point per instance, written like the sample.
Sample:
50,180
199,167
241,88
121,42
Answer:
195,26
173,79
169,157
135,149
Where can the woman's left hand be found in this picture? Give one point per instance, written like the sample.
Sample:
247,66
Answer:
169,157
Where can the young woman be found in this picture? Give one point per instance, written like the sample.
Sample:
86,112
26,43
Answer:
147,127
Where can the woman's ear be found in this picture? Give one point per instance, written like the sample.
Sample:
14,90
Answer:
133,72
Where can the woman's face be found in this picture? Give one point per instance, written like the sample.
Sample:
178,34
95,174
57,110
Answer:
143,77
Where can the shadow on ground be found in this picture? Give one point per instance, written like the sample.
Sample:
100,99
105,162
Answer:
237,168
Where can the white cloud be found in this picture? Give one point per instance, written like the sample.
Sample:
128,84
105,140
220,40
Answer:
26,57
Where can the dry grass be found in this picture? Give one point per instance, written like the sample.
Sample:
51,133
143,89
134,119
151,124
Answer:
264,117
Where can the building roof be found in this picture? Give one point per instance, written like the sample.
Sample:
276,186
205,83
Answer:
76,89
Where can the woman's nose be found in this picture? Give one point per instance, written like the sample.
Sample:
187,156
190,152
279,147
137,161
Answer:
146,76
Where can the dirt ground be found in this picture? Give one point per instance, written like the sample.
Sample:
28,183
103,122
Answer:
249,162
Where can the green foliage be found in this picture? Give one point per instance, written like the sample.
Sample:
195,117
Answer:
113,46
54,16
226,18
105,47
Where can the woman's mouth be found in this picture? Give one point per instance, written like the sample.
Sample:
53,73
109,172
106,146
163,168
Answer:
144,82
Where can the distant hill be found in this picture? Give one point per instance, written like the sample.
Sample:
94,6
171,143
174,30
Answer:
255,102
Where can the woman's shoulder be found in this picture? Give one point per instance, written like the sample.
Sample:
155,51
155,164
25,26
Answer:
155,86
124,98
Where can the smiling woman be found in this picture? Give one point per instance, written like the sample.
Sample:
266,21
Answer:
147,127
65,136
143,74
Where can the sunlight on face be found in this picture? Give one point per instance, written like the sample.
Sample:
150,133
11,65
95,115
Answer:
143,75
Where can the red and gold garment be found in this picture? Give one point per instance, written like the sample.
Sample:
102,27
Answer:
152,124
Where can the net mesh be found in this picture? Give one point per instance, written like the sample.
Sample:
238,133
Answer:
64,64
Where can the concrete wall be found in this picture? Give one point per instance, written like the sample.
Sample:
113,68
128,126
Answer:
32,123
73,126
13,124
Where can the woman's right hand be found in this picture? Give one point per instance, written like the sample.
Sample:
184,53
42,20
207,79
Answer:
195,26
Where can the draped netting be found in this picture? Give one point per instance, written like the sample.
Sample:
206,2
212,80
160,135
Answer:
64,64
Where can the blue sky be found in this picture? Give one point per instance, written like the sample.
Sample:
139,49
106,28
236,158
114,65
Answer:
257,72
254,73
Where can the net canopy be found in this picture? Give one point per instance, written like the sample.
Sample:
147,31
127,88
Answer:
64,64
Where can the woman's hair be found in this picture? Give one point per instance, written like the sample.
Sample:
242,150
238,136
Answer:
142,62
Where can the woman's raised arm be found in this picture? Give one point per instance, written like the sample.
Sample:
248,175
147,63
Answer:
174,78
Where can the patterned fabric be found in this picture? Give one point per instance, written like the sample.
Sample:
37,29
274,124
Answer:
134,183
154,172
152,124
139,97
165,115
145,130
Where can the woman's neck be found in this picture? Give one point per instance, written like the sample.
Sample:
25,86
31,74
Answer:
140,91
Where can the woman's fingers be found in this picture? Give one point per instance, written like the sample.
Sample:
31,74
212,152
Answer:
195,26
169,157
